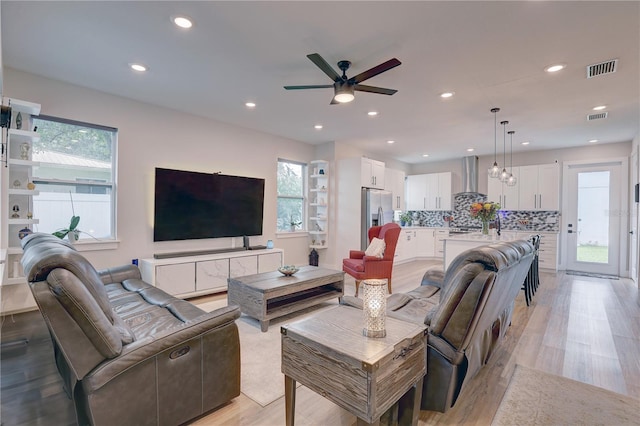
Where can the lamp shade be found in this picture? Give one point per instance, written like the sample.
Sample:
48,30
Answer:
375,307
343,93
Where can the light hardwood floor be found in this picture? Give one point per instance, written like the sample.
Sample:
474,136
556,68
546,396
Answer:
586,329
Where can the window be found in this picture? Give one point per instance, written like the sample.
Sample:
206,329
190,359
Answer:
291,200
75,176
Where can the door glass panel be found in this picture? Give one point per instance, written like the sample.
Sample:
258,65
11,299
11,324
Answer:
593,217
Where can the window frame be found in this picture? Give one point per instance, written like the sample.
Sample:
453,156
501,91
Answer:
303,196
89,182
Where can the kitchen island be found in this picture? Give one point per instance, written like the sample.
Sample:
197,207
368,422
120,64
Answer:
547,254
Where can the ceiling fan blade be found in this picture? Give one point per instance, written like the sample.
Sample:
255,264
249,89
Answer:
324,66
386,66
320,86
373,89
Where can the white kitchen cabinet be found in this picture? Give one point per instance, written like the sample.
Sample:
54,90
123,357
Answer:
426,242
394,182
440,236
539,187
416,190
503,194
372,173
429,191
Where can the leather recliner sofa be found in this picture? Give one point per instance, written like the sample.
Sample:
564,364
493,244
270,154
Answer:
129,353
467,310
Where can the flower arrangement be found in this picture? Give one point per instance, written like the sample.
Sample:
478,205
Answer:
485,212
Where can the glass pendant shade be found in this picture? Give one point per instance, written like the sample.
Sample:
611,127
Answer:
494,171
512,181
504,176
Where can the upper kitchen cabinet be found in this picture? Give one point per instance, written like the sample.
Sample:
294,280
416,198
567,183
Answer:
416,192
429,191
439,191
394,182
372,173
539,187
506,196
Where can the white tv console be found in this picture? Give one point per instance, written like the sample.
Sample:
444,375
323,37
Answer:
189,276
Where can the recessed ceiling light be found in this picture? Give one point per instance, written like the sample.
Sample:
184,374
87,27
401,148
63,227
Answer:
138,67
250,105
318,126
525,143
599,107
593,141
390,142
470,149
425,155
182,22
372,113
446,95
555,68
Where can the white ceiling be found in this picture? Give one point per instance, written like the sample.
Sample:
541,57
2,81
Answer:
491,54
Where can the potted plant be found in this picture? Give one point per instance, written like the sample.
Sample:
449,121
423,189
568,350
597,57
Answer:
294,224
71,232
405,219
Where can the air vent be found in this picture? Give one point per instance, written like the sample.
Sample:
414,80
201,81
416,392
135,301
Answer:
597,116
602,68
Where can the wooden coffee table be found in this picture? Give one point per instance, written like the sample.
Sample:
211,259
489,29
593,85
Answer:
271,294
328,353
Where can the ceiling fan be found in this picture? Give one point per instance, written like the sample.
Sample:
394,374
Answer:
344,86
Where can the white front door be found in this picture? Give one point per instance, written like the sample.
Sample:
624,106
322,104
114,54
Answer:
593,219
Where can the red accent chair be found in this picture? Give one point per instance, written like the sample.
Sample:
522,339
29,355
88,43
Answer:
363,267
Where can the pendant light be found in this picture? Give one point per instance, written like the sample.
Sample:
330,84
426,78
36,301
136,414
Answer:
512,180
504,175
494,171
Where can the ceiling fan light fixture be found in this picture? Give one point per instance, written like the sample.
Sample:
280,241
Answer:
344,93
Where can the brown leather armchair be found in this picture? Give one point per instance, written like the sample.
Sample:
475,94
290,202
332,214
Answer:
129,353
363,267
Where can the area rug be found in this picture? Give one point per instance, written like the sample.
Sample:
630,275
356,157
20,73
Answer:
592,275
260,354
537,398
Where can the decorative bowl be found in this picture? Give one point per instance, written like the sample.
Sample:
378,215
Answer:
288,270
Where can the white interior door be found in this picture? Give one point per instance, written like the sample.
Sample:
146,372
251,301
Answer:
593,217
633,222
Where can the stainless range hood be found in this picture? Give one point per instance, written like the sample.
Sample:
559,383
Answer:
470,174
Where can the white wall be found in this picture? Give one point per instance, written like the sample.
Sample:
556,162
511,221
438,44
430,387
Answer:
151,136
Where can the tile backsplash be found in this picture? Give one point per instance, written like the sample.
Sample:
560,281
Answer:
510,219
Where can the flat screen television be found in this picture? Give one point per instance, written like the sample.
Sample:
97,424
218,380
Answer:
193,205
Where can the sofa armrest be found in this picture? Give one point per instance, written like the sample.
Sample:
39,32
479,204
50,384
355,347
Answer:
143,349
119,274
433,277
356,254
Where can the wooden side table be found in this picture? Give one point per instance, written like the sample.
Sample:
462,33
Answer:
366,376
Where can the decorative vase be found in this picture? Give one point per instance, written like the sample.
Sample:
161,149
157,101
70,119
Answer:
73,236
485,227
19,121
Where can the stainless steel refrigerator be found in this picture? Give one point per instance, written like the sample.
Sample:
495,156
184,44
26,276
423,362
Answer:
377,210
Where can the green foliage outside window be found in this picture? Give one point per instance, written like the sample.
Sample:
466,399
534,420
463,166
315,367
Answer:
291,184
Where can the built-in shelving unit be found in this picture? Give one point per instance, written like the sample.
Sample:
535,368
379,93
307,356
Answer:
318,221
17,201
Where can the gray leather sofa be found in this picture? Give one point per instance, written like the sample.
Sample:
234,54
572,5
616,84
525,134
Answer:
467,310
128,353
